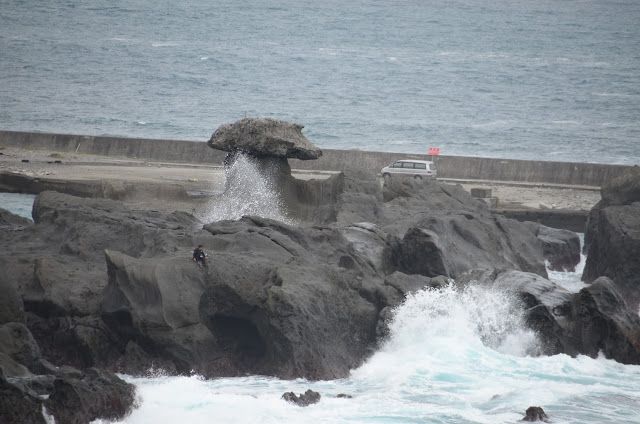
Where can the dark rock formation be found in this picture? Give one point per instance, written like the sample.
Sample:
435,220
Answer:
303,305
594,320
605,323
18,407
11,306
535,413
9,220
94,283
264,137
612,240
344,396
442,230
305,399
560,247
548,310
308,301
28,382
96,394
623,190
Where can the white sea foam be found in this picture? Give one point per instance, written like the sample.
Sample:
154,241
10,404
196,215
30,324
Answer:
453,356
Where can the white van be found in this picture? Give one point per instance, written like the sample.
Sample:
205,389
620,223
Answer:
417,169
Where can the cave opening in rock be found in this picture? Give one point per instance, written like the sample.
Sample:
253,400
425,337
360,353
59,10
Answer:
240,336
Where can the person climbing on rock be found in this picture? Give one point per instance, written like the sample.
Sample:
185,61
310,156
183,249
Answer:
199,256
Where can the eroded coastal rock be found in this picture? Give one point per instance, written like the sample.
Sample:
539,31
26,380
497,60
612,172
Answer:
248,312
612,239
264,145
595,320
29,384
277,300
561,248
440,229
95,286
264,137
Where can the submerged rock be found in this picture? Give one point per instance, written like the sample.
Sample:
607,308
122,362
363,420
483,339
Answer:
305,399
264,137
535,413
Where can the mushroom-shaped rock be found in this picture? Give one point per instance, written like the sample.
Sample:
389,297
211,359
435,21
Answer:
264,137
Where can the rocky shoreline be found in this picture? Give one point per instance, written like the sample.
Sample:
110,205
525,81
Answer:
97,286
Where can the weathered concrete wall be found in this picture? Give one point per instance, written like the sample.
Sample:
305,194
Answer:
140,148
587,174
474,168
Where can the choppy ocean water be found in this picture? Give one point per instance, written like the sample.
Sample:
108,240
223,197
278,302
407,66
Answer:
550,79
19,204
454,357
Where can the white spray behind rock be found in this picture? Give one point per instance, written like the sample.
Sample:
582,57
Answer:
247,192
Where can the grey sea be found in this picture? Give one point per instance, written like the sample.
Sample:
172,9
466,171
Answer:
548,79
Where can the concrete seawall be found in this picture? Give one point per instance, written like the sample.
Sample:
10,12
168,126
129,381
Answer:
454,167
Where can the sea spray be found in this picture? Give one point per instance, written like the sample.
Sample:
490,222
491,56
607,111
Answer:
247,192
571,281
453,356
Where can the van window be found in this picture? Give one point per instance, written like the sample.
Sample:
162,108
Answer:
420,165
397,165
407,165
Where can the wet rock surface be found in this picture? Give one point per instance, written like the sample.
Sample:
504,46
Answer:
612,239
29,384
595,320
304,399
560,247
535,413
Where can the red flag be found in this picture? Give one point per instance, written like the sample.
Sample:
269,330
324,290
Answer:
434,151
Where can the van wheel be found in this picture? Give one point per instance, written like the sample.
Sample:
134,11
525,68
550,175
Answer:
387,178
417,177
